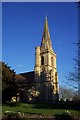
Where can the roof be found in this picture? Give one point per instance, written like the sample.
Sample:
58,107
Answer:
27,78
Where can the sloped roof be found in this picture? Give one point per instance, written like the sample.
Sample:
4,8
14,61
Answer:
18,77
27,77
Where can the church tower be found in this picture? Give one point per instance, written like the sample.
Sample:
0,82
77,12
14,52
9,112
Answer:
46,76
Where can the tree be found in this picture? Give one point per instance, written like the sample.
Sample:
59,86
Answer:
79,49
76,97
75,76
8,83
66,93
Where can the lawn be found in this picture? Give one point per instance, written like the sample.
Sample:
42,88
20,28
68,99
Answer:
41,109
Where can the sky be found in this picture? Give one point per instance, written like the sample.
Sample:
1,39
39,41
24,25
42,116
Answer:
0,31
22,29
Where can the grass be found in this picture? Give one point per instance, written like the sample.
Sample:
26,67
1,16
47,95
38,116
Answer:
42,109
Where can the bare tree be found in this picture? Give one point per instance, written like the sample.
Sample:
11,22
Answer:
75,76
66,93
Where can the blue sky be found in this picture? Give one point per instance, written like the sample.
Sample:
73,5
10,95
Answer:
22,28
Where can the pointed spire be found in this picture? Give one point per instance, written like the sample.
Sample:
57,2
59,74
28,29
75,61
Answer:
46,35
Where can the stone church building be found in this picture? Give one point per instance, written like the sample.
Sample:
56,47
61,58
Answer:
40,85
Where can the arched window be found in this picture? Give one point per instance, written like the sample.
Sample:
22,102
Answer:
52,61
56,75
42,60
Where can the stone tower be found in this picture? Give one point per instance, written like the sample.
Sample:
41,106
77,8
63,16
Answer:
46,76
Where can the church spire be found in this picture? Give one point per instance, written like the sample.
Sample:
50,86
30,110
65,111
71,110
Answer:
46,35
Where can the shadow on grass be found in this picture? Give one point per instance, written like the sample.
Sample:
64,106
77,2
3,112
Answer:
59,105
63,117
56,117
11,104
11,117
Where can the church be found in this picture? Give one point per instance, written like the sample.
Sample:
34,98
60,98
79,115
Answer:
40,85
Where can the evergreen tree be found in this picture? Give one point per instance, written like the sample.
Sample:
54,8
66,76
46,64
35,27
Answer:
8,83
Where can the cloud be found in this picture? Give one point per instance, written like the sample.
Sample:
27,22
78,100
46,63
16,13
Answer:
20,66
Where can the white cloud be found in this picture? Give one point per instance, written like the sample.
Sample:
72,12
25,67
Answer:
20,65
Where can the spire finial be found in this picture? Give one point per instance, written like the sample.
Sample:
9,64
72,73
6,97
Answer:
46,16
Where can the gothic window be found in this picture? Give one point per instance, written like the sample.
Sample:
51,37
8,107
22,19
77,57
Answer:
52,87
42,60
52,61
56,75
